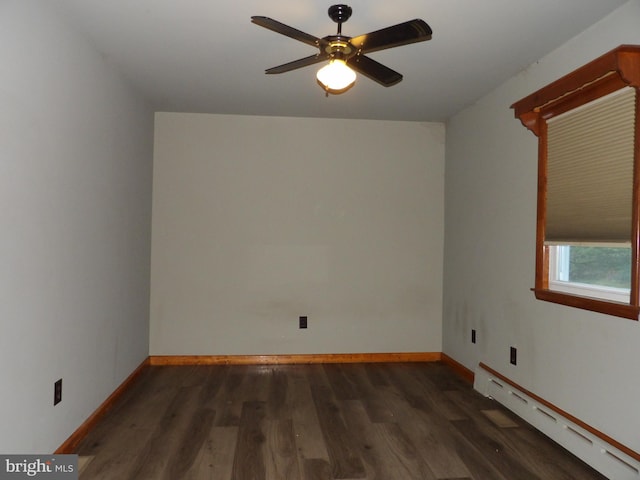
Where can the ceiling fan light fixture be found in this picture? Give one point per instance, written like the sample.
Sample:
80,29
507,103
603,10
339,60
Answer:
336,77
338,49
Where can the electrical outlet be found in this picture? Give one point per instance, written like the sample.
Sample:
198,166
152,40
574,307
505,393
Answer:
303,322
513,356
57,392
473,335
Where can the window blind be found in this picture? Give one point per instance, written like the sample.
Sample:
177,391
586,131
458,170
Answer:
590,155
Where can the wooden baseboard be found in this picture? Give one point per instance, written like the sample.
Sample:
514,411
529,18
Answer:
457,367
292,359
76,437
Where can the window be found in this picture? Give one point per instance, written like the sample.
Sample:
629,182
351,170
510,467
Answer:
588,235
599,271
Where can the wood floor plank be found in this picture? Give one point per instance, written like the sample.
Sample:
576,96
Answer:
153,460
439,375
475,462
229,398
214,461
342,387
277,407
545,465
377,410
399,453
315,422
387,452
343,456
376,373
248,462
376,405
317,469
191,375
357,420
134,419
432,391
470,403
256,385
432,434
132,408
279,450
192,441
212,384
306,425
115,461
494,451
549,461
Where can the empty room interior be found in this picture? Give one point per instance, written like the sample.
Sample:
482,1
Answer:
164,203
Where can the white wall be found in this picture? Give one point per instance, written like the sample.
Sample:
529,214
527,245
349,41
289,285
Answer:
585,363
258,220
75,199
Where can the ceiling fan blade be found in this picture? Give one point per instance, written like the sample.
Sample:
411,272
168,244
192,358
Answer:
402,34
374,70
303,62
283,29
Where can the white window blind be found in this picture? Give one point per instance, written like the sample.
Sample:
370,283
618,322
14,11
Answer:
590,155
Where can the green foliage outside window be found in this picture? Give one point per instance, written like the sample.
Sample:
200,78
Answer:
607,266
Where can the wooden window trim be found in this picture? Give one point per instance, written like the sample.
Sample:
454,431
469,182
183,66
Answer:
606,74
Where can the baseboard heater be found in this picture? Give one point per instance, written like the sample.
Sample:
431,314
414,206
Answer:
607,456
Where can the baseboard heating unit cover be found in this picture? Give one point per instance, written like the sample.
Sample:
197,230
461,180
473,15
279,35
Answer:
613,461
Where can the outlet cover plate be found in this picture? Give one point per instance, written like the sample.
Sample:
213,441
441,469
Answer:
57,392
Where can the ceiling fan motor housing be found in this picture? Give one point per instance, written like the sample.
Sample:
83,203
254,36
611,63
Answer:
339,47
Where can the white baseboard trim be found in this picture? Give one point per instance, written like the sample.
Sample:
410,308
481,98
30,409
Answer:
596,449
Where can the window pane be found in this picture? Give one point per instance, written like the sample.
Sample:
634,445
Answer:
607,266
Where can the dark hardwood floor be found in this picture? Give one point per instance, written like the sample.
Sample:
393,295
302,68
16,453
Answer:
316,422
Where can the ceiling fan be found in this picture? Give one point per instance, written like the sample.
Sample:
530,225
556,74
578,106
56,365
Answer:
346,54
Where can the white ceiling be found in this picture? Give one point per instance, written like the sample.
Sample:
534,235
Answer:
206,55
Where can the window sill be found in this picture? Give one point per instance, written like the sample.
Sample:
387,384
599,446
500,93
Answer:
617,309
598,292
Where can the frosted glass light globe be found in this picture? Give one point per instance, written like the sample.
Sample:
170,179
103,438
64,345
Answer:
336,77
